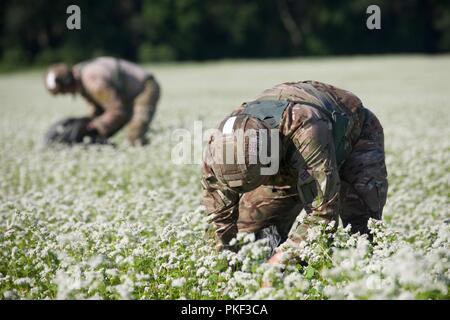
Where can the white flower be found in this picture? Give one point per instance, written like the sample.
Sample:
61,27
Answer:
179,282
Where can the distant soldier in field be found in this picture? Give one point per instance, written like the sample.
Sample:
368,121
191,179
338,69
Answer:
117,91
331,164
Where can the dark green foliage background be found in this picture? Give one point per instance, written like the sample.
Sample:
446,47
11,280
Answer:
35,33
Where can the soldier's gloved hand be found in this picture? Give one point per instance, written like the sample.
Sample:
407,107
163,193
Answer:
275,260
91,131
94,135
77,130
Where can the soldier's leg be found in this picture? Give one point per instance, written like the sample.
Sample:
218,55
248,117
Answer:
269,206
143,112
364,182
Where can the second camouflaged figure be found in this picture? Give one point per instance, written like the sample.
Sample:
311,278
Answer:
117,91
332,164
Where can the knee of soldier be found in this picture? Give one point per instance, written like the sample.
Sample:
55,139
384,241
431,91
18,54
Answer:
157,89
146,101
249,206
257,209
154,90
141,115
254,198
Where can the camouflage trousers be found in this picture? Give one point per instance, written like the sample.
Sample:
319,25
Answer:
362,194
143,112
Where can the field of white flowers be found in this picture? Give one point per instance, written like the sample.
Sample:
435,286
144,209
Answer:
126,223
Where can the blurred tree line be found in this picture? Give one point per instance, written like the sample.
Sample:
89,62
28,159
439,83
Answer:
35,32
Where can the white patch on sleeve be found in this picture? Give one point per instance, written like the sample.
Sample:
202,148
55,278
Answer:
51,80
229,125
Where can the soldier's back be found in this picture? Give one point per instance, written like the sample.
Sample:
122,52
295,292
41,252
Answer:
125,77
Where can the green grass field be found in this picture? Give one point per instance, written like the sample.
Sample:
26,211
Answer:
127,223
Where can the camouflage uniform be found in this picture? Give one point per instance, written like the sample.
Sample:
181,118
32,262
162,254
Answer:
118,92
312,177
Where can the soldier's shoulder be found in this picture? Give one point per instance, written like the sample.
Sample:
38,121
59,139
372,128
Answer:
301,116
342,96
302,112
94,77
238,110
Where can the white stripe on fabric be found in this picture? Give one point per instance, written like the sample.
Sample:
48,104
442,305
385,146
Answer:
228,126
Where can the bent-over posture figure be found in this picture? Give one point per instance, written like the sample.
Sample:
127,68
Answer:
331,165
117,91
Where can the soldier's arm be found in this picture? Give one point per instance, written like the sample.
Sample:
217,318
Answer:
94,110
318,182
222,208
237,111
115,115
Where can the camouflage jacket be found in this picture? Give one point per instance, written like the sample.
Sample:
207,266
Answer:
110,86
308,161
